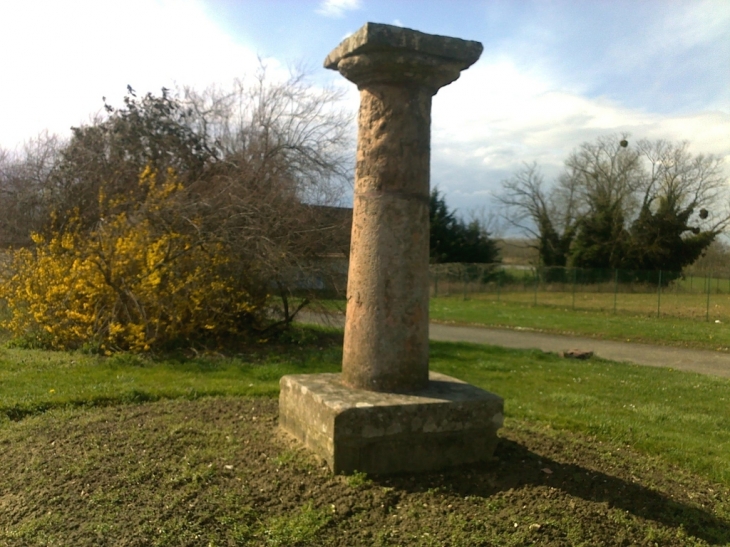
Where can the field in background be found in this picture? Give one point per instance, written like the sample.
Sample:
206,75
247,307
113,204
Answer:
701,298
622,326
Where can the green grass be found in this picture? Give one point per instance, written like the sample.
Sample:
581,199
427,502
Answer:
680,417
33,381
302,527
636,325
596,323
683,418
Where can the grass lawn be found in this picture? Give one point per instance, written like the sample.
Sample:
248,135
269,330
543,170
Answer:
181,451
669,304
33,381
689,297
622,326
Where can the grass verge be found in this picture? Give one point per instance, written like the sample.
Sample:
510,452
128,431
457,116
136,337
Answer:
33,381
601,324
681,417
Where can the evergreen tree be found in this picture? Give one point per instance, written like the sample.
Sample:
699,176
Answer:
665,235
552,247
453,240
601,241
664,239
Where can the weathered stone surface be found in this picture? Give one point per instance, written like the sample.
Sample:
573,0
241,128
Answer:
446,424
386,331
398,71
383,53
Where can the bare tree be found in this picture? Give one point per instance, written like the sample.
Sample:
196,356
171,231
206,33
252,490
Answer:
613,203
262,168
547,216
606,175
27,189
290,124
286,161
685,182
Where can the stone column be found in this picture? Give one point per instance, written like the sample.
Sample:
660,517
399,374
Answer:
386,413
397,71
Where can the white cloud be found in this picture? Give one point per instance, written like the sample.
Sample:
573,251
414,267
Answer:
67,55
496,116
678,60
686,25
337,8
60,58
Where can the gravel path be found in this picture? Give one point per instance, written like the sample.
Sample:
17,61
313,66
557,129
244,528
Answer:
694,360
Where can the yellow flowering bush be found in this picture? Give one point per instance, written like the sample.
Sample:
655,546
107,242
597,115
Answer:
134,281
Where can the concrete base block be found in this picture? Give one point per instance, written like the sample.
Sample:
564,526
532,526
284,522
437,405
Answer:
449,423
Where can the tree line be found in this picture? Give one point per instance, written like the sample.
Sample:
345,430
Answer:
193,216
649,205
644,206
174,217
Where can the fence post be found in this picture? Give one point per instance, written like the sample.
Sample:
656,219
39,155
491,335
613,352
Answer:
707,312
499,285
537,281
615,288
574,276
436,285
659,295
463,275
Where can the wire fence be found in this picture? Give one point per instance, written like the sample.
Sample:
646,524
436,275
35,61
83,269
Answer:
651,293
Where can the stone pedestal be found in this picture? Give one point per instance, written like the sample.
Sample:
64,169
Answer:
383,413
446,424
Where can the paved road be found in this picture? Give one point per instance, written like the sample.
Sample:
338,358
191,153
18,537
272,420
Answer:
702,361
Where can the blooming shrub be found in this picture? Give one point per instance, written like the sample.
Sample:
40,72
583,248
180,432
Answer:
142,277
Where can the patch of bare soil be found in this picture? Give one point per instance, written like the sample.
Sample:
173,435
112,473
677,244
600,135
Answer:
216,472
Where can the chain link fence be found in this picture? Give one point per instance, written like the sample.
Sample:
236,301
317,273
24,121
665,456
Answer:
652,293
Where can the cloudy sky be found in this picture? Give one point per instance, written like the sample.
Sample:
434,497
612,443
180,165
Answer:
553,73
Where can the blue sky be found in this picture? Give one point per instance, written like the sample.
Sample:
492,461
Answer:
553,73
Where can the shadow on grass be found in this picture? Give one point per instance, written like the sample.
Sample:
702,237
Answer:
518,467
19,412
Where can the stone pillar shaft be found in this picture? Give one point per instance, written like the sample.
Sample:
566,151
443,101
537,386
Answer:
397,72
386,332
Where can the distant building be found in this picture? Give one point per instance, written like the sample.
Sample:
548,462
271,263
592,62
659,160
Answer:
328,250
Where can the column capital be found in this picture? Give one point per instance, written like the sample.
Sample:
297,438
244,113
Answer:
386,54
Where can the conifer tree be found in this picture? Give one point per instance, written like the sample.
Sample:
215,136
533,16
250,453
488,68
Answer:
453,240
